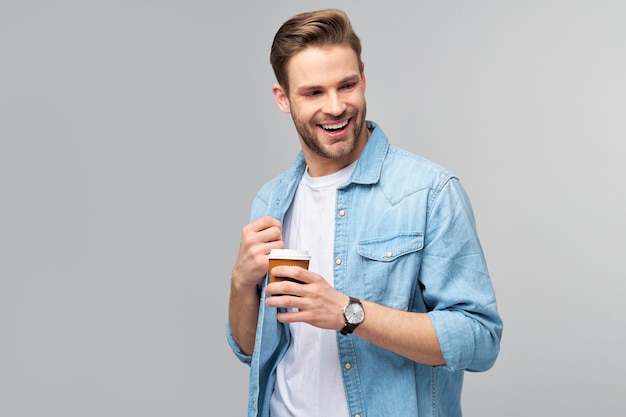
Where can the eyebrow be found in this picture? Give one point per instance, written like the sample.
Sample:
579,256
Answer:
349,78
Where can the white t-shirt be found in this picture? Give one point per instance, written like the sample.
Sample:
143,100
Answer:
308,378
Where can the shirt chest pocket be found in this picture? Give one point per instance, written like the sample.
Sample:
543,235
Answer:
389,267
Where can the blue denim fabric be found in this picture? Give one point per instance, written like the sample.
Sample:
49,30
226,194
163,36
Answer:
405,237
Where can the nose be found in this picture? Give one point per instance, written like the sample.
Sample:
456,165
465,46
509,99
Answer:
334,105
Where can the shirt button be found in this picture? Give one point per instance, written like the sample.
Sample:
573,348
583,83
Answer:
338,261
389,254
348,365
342,213
357,415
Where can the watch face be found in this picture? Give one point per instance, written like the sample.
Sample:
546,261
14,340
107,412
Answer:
354,313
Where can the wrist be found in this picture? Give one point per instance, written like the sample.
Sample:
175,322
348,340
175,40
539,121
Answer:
353,314
240,283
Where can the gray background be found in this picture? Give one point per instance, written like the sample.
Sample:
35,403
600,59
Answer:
133,135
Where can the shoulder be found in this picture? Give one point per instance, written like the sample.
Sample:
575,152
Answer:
285,178
276,190
404,168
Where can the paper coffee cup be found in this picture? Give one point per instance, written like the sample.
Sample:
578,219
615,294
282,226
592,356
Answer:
289,257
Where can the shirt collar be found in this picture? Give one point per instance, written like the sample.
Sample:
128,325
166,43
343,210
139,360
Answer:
370,162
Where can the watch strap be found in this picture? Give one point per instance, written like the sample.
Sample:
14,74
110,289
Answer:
348,328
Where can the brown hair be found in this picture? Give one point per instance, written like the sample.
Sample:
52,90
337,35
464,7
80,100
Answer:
317,28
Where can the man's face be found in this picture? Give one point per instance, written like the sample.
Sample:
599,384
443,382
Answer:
327,103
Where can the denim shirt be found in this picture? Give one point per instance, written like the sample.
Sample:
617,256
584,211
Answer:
404,237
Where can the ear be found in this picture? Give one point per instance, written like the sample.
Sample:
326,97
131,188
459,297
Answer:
363,74
281,98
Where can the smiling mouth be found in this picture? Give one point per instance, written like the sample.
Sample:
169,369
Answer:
335,127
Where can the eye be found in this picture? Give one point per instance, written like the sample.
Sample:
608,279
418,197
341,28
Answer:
348,86
312,93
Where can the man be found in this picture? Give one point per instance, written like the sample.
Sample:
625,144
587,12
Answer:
397,302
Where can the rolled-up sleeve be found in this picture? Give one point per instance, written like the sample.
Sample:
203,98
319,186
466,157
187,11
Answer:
457,287
247,359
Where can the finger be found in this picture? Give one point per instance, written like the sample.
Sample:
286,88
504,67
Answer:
266,222
296,273
271,234
284,287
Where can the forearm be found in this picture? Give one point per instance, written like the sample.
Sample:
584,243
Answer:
408,334
243,312
258,238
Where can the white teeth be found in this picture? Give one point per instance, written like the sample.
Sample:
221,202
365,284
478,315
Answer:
335,126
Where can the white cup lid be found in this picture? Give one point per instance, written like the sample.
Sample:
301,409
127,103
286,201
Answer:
289,254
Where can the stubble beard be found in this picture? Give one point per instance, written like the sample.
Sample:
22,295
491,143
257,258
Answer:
308,133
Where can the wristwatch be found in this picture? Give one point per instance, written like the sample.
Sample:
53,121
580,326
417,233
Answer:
353,314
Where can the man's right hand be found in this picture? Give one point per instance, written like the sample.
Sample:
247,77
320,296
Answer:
257,240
